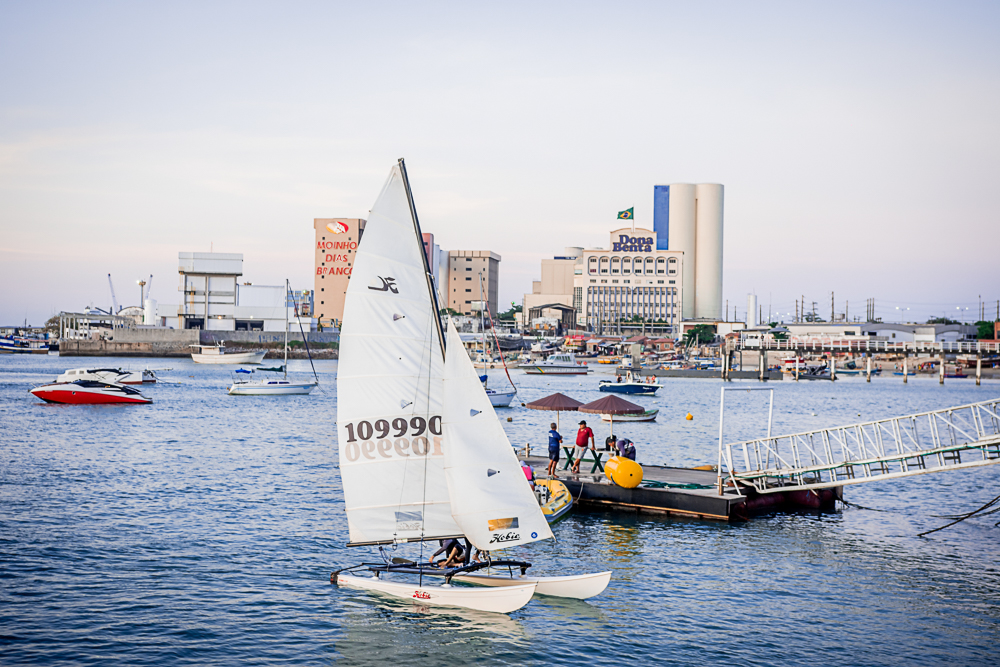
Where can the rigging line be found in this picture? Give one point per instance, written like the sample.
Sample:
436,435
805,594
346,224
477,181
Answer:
497,340
288,286
967,516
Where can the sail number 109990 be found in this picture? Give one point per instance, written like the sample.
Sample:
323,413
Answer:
398,438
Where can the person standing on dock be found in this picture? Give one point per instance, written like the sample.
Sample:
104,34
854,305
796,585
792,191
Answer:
554,441
582,435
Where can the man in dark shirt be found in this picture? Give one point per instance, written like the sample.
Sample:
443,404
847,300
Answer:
554,441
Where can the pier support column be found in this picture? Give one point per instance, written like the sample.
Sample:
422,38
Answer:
941,370
868,372
833,367
905,357
762,363
979,368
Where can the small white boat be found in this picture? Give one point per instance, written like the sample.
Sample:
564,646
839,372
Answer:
578,586
564,363
275,387
501,399
88,392
218,354
510,599
647,416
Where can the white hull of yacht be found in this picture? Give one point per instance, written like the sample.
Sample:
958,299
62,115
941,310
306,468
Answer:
501,600
229,358
579,586
270,388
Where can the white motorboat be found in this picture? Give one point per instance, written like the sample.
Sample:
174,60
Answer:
108,375
394,377
274,387
218,354
88,392
563,363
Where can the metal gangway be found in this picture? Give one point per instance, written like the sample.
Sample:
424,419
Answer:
966,436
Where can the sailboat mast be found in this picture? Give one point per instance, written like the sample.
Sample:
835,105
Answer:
288,288
423,253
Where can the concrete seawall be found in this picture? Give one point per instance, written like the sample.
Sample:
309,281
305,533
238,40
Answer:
178,342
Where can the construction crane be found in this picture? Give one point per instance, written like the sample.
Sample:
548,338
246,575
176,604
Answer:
114,299
149,287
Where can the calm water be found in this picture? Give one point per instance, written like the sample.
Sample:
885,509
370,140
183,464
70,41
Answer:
203,529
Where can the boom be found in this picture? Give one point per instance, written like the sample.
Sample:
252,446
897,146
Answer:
114,299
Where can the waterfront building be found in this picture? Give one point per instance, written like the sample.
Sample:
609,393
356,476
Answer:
631,280
688,218
557,284
336,243
464,290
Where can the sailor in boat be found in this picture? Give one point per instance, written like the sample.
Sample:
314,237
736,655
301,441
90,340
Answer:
554,441
529,474
453,550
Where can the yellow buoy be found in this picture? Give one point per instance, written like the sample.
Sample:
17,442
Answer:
689,416
624,472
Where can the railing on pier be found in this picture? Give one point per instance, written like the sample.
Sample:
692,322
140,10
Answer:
847,344
966,436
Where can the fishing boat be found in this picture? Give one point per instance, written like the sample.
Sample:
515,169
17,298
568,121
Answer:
275,387
563,363
498,398
24,345
89,392
647,416
447,471
629,384
218,354
108,375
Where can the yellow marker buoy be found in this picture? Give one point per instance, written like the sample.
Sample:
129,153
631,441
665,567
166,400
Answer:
689,416
624,472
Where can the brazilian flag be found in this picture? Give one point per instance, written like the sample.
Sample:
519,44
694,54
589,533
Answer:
625,215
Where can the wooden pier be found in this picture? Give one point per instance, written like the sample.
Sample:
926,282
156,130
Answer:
676,491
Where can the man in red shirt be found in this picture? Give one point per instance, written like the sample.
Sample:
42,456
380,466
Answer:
582,435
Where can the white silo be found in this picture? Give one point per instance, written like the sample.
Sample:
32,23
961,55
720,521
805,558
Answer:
708,251
682,237
752,310
149,312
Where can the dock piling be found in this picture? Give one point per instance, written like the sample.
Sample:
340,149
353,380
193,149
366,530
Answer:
869,371
979,368
941,373
904,368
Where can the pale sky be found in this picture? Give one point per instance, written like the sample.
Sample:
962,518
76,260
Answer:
859,143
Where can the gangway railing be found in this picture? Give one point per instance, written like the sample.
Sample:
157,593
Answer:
965,436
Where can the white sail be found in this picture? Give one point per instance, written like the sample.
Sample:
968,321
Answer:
490,498
389,385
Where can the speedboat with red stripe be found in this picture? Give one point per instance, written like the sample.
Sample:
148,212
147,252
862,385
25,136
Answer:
89,391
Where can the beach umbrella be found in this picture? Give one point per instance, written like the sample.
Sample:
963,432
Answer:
612,405
556,402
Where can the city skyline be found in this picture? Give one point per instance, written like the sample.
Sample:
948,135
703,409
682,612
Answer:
857,143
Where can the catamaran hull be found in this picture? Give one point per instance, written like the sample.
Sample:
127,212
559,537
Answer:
281,389
229,358
501,601
579,586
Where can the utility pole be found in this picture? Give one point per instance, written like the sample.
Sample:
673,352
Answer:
796,310
831,307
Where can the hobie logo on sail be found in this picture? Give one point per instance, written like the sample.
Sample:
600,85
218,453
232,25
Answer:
388,285
500,538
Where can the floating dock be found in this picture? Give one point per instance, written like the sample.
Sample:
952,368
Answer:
679,492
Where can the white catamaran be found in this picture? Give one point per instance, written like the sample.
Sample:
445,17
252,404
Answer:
422,453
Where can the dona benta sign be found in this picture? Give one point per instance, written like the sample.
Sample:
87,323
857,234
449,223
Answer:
626,243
